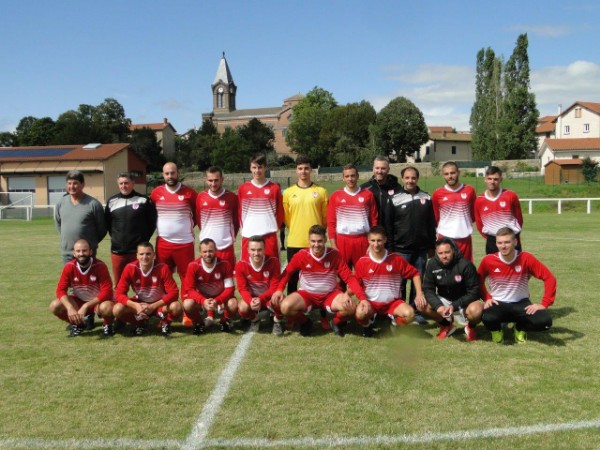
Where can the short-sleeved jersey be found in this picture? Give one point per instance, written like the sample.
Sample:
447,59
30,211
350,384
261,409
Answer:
257,282
176,212
491,214
351,213
453,211
149,287
303,208
217,217
261,208
320,275
382,280
87,284
509,280
202,282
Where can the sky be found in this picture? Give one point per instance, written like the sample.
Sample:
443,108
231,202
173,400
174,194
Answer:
159,58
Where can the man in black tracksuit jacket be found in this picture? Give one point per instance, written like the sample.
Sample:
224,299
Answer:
451,285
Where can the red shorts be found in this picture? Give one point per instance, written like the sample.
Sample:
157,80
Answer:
227,254
387,309
176,256
352,247
118,264
318,300
465,245
271,246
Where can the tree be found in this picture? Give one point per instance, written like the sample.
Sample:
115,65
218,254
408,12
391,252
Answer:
8,139
143,142
257,136
308,117
196,152
110,116
590,170
231,152
400,129
33,131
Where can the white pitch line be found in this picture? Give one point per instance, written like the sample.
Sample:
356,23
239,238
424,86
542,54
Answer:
25,443
196,438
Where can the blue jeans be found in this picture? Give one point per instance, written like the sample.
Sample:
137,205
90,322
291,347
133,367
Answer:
418,259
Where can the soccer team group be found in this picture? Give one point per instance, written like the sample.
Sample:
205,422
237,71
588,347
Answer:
382,234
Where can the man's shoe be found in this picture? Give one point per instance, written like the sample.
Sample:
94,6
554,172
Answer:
186,321
325,323
338,329
165,329
254,326
225,326
471,333
199,329
278,329
76,330
108,330
140,330
306,328
368,332
89,321
446,331
520,336
498,336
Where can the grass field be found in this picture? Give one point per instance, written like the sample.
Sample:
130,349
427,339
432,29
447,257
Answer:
409,390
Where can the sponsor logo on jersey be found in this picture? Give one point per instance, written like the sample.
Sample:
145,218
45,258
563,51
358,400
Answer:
181,197
518,268
93,278
217,276
502,204
458,278
361,199
389,267
135,205
463,196
267,191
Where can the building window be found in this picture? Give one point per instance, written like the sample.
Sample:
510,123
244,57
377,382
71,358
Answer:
220,100
427,150
586,127
284,132
575,156
454,149
578,113
567,129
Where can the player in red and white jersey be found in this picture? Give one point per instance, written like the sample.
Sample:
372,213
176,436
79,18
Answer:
497,208
217,215
352,211
92,291
260,208
176,215
319,268
155,292
507,299
257,279
453,206
381,274
209,289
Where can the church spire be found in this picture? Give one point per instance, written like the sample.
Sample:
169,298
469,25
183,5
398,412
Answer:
223,88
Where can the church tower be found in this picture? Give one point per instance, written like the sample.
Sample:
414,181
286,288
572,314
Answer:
223,89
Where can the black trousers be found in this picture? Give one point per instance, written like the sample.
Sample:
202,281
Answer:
292,285
494,316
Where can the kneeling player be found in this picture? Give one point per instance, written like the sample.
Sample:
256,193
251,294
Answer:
208,289
92,291
257,280
451,287
319,268
156,293
381,274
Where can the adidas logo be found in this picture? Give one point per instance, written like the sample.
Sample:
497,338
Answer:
204,204
486,208
249,193
371,271
496,270
343,200
162,197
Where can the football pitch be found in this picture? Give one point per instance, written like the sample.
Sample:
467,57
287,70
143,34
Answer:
257,391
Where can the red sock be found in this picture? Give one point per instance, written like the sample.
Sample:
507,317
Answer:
339,318
400,321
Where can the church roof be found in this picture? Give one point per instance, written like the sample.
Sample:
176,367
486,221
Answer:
223,72
249,113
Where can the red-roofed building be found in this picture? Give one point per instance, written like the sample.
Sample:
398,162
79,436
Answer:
446,145
560,171
569,149
42,170
165,135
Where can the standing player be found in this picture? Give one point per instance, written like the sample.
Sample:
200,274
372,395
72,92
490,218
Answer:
381,274
453,208
257,279
209,289
130,219
304,205
92,291
319,268
497,208
217,215
451,287
156,293
261,208
352,212
507,299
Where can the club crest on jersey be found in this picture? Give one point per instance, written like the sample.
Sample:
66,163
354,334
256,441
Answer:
93,278
180,197
217,276
266,274
423,200
389,267
361,199
503,204
222,202
458,278
390,192
439,277
463,196
315,194
518,268
154,279
267,191
135,205
327,264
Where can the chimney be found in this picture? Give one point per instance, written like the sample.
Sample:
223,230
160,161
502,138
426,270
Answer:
444,133
166,121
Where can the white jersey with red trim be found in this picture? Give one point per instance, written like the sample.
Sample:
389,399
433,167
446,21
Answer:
257,282
351,213
453,211
217,217
261,208
86,284
491,214
176,213
382,280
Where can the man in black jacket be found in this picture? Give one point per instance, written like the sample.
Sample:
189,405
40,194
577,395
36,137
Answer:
130,218
451,285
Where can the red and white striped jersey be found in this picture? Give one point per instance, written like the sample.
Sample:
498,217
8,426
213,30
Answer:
351,213
217,217
491,214
509,280
382,279
261,282
261,208
149,287
176,212
86,284
203,282
453,211
320,275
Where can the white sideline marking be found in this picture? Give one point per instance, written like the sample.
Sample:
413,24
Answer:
199,432
331,441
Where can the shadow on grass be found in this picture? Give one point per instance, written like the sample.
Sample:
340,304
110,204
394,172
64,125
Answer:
562,311
551,337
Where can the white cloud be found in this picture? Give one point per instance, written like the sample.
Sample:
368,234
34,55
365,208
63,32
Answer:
548,31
